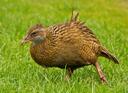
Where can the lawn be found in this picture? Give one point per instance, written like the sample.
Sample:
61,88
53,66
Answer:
20,74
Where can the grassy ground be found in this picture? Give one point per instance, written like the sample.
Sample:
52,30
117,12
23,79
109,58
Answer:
20,74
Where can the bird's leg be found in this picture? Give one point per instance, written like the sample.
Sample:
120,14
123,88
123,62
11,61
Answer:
102,77
69,72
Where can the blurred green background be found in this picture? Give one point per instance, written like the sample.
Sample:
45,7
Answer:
20,74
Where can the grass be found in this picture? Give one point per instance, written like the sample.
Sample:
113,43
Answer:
20,74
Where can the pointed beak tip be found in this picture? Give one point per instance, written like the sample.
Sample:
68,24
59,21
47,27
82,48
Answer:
22,43
24,40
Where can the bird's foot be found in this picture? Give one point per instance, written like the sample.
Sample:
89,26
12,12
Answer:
103,79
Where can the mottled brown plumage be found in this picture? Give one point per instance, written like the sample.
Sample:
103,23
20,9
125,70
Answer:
71,45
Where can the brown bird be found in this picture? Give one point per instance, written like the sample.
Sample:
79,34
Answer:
70,45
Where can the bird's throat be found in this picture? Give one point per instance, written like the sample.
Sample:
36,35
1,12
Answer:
37,40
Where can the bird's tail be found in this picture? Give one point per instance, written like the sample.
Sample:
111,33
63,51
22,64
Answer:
105,53
74,16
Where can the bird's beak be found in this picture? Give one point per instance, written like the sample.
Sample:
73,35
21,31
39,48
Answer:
24,40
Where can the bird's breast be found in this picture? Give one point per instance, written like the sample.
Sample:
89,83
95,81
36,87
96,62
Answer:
40,54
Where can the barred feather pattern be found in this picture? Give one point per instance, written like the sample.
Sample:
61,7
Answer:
72,44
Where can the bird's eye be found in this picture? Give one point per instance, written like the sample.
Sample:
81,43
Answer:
33,34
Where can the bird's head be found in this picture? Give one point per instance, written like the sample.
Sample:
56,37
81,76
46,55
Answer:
36,34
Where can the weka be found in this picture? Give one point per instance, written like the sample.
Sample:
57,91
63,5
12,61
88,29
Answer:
70,45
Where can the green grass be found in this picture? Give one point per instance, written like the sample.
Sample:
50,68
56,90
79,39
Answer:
20,74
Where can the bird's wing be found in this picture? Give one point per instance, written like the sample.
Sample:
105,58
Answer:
74,22
89,35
